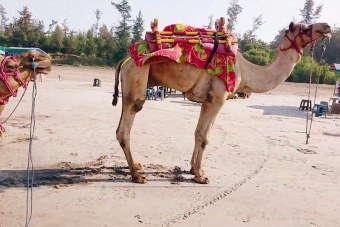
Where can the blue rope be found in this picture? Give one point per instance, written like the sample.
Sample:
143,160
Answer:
34,65
30,166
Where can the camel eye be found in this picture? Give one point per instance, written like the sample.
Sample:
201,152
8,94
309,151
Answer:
306,30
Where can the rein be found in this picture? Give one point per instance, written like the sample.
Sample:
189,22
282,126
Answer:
293,45
4,78
308,129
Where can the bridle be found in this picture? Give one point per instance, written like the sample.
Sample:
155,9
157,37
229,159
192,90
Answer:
300,35
16,75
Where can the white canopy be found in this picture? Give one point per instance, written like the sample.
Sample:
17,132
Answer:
337,66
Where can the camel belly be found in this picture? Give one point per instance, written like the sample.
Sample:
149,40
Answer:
196,83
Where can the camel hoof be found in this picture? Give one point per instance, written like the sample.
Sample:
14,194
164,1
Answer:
201,180
139,180
137,166
192,171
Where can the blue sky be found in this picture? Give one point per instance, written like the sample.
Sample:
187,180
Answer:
276,14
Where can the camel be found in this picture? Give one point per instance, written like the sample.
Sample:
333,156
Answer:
201,87
17,71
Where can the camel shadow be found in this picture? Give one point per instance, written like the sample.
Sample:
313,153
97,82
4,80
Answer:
287,111
183,101
61,177
187,103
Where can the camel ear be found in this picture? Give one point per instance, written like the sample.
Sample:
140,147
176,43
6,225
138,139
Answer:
291,26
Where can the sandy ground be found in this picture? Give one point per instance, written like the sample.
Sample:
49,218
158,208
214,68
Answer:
261,171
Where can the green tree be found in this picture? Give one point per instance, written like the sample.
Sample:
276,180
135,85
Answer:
51,25
232,13
123,30
70,43
65,28
90,45
258,53
331,54
98,14
278,38
308,67
310,13
3,26
106,44
249,36
137,28
57,39
26,32
210,24
3,19
37,34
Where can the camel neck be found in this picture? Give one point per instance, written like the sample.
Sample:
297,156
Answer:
260,79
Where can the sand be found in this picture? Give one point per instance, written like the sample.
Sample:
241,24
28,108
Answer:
262,172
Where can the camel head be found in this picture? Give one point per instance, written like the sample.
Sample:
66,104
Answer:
298,36
33,61
27,65
21,68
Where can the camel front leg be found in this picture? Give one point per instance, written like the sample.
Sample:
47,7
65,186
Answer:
2,128
209,111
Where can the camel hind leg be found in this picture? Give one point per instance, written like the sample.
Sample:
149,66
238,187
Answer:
134,83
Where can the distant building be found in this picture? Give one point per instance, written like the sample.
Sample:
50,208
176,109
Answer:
335,67
19,50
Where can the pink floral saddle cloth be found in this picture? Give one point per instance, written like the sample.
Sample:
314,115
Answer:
214,50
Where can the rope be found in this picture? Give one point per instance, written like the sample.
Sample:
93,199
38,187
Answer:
308,130
30,167
14,107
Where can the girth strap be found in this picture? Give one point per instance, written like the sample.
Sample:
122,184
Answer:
213,52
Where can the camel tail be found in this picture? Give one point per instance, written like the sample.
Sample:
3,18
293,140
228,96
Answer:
118,68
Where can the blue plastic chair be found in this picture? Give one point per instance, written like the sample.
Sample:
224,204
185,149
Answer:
319,110
150,93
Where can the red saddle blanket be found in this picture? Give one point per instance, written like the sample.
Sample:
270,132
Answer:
222,64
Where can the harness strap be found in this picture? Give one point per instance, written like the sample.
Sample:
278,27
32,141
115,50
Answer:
3,101
4,78
293,44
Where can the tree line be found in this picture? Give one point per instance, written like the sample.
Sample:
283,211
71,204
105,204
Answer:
105,45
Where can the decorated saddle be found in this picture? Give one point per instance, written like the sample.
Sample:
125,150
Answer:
213,50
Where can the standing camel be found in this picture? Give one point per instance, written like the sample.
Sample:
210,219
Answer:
204,88
17,71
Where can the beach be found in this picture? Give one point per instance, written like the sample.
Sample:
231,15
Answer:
261,171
